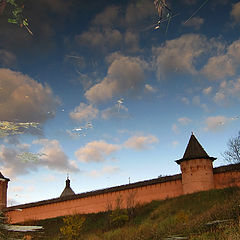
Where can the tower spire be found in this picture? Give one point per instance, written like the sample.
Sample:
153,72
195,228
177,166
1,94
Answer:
67,190
194,150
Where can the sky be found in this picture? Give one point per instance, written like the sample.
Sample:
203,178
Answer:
102,92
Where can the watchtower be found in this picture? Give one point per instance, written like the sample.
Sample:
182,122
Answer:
196,167
3,191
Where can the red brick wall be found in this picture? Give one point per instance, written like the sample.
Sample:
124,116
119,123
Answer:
227,179
98,203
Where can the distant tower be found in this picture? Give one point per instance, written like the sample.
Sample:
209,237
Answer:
67,190
3,191
196,167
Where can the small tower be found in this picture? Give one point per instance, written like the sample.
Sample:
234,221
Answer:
3,191
196,167
67,190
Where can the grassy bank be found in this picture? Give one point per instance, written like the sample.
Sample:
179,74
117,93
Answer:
205,215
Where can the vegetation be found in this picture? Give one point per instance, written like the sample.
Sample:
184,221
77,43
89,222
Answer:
73,226
3,233
202,216
232,155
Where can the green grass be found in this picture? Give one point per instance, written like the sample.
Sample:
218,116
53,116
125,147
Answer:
182,216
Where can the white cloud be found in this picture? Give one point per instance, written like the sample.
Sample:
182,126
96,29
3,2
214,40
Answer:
185,100
141,142
234,52
184,120
6,58
207,90
25,99
195,22
235,13
17,189
175,128
125,74
223,65
11,166
96,151
197,102
149,88
84,112
219,96
100,40
215,123
219,67
54,157
104,171
137,12
11,140
131,42
109,17
179,54
228,90
117,111
175,143
49,178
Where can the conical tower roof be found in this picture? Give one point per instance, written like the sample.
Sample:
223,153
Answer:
2,177
194,150
67,190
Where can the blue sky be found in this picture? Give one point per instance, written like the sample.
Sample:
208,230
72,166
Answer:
82,58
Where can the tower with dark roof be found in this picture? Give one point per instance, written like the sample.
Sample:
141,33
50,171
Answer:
196,167
3,191
67,190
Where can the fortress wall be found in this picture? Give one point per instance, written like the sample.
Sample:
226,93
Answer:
226,179
96,203
227,176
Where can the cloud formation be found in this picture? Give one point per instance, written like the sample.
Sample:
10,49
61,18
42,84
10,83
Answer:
137,12
11,166
179,54
223,65
125,74
175,129
228,90
215,123
235,13
141,142
96,151
207,90
184,120
104,171
24,99
6,58
54,157
100,39
131,41
149,88
197,102
84,112
108,17
117,111
183,55
195,22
